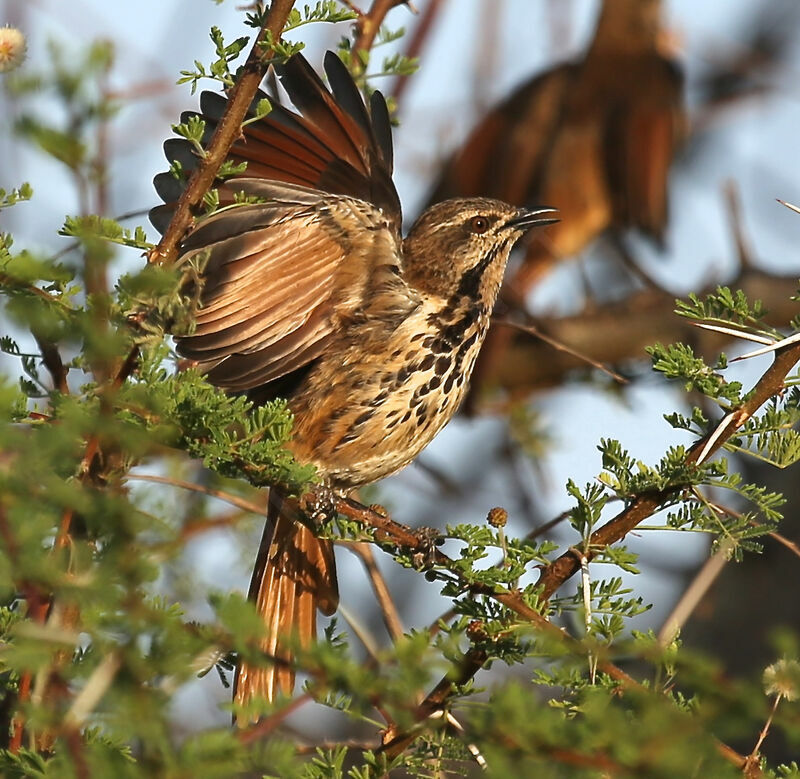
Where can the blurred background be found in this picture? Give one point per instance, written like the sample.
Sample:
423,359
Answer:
664,132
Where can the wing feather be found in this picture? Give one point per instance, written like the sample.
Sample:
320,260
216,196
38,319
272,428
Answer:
280,278
331,142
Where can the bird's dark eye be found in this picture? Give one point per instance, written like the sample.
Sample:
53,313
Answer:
479,224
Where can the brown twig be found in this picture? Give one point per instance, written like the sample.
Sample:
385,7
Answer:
643,506
267,725
368,25
692,595
391,617
395,742
234,500
790,545
226,132
753,757
734,203
547,526
531,329
619,331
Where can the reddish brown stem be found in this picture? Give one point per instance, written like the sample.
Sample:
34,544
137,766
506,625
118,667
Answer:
368,25
391,618
266,726
225,134
770,384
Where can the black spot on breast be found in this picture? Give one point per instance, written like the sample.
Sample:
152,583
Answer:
448,385
467,345
427,363
454,332
361,418
441,366
346,439
406,417
380,398
434,382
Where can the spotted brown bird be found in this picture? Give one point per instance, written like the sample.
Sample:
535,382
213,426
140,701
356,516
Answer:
595,138
311,293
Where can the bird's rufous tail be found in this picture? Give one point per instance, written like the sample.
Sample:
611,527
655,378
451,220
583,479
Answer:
294,575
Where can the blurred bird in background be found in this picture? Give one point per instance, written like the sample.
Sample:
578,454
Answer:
596,138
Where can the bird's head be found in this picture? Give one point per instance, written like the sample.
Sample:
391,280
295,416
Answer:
461,246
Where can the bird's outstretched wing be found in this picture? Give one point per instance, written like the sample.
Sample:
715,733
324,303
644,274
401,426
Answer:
282,276
331,142
285,273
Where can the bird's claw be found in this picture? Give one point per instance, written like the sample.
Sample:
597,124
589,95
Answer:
320,504
428,539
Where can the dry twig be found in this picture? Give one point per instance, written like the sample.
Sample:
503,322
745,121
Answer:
225,134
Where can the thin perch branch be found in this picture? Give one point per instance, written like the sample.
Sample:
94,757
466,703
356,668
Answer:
227,131
368,25
391,617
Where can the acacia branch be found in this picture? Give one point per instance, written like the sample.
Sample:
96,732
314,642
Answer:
555,574
383,596
369,24
643,506
225,134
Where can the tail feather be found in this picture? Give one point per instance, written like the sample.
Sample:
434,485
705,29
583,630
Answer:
294,576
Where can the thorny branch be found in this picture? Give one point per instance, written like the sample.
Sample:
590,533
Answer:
224,136
369,24
559,571
770,384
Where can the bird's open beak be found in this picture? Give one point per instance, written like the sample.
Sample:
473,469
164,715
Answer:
532,217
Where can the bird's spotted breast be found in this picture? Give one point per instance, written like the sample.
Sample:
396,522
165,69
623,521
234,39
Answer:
409,398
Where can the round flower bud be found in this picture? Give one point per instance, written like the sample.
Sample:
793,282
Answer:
497,517
12,48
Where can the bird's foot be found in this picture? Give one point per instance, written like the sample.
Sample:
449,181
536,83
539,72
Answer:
428,539
319,505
